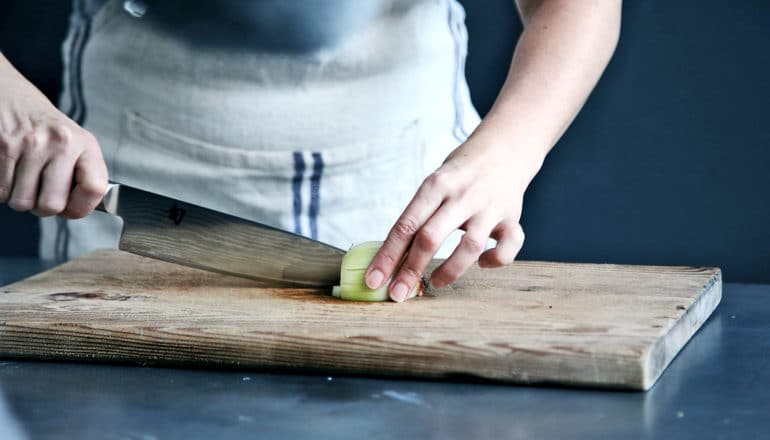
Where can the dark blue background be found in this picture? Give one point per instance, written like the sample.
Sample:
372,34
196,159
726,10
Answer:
667,163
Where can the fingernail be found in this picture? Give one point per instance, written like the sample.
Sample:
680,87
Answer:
398,294
374,279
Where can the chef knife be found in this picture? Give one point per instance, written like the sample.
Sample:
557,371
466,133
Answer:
171,230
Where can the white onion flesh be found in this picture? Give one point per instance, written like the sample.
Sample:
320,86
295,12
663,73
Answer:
352,275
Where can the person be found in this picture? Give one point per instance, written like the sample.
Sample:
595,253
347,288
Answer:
342,120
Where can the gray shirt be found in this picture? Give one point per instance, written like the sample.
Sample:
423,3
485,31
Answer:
274,25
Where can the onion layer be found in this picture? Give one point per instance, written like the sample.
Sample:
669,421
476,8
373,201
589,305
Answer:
352,284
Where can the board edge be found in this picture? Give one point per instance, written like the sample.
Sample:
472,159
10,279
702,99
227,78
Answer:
660,355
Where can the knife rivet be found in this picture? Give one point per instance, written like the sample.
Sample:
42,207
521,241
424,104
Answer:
176,214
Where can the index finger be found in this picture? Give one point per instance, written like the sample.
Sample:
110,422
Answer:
424,203
90,185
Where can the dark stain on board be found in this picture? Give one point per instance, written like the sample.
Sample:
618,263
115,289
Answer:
73,296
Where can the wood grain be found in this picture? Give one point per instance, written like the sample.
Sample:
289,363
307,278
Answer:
532,322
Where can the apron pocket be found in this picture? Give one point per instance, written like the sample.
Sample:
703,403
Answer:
338,195
248,183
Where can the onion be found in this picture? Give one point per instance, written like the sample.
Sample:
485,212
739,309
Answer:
352,284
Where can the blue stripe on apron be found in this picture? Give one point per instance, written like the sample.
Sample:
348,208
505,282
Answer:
456,29
296,189
314,207
315,188
77,109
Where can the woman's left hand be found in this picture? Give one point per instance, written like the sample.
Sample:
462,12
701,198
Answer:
478,189
558,59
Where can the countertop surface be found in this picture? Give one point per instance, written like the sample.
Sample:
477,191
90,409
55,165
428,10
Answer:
718,387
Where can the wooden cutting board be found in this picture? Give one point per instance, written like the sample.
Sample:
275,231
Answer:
532,322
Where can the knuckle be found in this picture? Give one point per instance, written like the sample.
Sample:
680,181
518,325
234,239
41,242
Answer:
29,140
410,274
21,205
385,258
516,250
50,206
439,180
7,150
61,149
448,275
33,139
61,133
405,228
451,276
93,188
518,235
427,240
472,244
468,196
33,145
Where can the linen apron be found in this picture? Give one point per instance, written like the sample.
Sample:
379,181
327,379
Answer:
331,144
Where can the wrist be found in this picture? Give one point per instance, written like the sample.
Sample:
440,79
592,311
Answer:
517,150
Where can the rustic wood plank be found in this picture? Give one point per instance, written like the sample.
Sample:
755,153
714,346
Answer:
532,322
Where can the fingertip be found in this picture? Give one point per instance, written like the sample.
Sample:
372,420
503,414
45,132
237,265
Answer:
374,278
399,291
486,260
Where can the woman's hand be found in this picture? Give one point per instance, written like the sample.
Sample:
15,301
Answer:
48,164
559,58
479,189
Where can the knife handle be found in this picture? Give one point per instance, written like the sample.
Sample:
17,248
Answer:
109,203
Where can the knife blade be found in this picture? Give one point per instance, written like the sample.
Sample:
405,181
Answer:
171,230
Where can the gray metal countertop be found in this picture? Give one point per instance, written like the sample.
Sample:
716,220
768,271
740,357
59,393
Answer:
718,387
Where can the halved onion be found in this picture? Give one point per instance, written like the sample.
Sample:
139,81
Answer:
352,284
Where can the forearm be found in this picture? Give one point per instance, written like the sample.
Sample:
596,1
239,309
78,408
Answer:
9,76
15,91
565,46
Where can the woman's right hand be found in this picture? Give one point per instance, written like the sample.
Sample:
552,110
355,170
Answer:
49,165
